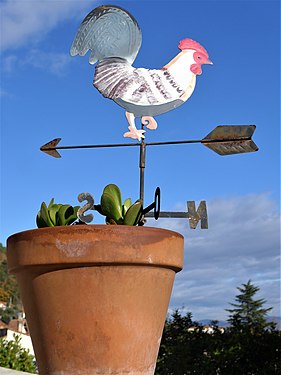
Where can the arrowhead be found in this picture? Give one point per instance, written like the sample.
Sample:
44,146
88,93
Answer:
231,132
231,139
232,147
50,148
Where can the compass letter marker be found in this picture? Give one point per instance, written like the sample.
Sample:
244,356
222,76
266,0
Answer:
195,216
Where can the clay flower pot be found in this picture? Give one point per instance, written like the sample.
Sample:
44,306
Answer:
96,296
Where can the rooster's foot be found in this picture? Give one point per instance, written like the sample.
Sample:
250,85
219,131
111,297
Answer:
149,122
134,133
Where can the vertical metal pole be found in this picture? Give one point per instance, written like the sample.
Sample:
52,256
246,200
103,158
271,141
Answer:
142,166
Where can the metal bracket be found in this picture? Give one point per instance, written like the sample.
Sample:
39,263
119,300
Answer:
192,214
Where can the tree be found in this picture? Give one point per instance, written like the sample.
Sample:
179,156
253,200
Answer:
9,291
252,344
184,347
13,356
248,313
246,347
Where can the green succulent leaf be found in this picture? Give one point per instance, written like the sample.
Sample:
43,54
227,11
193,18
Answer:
127,204
72,217
110,221
45,215
51,203
133,214
111,203
56,214
64,212
39,221
53,210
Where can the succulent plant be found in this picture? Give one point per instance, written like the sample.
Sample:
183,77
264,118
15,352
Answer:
115,212
56,214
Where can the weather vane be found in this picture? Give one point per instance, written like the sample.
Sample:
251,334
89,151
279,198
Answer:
114,38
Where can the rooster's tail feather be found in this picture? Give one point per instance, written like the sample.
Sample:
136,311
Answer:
108,31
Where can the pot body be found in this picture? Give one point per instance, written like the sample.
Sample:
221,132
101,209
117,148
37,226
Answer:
95,296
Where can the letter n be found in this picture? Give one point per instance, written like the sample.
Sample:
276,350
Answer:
195,216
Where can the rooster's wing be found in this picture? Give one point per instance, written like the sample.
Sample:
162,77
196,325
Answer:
115,79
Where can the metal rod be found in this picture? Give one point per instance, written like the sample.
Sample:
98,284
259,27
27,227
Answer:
93,146
199,141
142,167
43,148
166,214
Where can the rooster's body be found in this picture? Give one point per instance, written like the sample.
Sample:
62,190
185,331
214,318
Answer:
114,37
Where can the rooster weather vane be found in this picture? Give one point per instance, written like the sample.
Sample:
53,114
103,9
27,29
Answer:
114,38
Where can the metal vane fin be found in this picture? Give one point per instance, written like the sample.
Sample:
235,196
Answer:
231,139
51,145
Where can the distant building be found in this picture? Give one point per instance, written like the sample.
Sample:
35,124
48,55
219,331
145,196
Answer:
19,328
205,329
3,305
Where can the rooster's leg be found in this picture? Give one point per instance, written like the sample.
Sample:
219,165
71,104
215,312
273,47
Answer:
134,132
149,122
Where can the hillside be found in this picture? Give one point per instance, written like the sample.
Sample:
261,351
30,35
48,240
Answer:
9,292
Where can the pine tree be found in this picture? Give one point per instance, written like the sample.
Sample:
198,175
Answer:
248,314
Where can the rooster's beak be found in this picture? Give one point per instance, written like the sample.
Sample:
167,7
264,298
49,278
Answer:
208,62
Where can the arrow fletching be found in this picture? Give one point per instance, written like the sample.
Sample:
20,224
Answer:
231,139
50,148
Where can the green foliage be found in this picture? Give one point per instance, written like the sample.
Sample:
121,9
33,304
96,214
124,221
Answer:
116,213
244,353
250,346
186,349
248,314
183,347
13,356
9,292
56,214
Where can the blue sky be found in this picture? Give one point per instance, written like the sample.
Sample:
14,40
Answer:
46,93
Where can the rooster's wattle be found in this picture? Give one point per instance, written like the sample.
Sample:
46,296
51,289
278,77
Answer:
114,38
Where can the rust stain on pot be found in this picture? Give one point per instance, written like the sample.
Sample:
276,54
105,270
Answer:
72,248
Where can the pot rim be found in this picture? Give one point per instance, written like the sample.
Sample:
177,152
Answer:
94,245
88,227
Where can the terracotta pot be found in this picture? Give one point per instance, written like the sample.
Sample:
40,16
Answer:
96,296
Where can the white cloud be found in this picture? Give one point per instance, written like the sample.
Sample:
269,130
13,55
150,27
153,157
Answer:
26,21
242,243
52,62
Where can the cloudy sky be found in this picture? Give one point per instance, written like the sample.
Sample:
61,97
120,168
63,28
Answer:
46,93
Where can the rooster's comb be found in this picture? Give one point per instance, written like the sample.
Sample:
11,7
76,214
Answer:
191,44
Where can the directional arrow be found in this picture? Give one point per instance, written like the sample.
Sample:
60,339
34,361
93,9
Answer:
224,140
51,149
231,139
